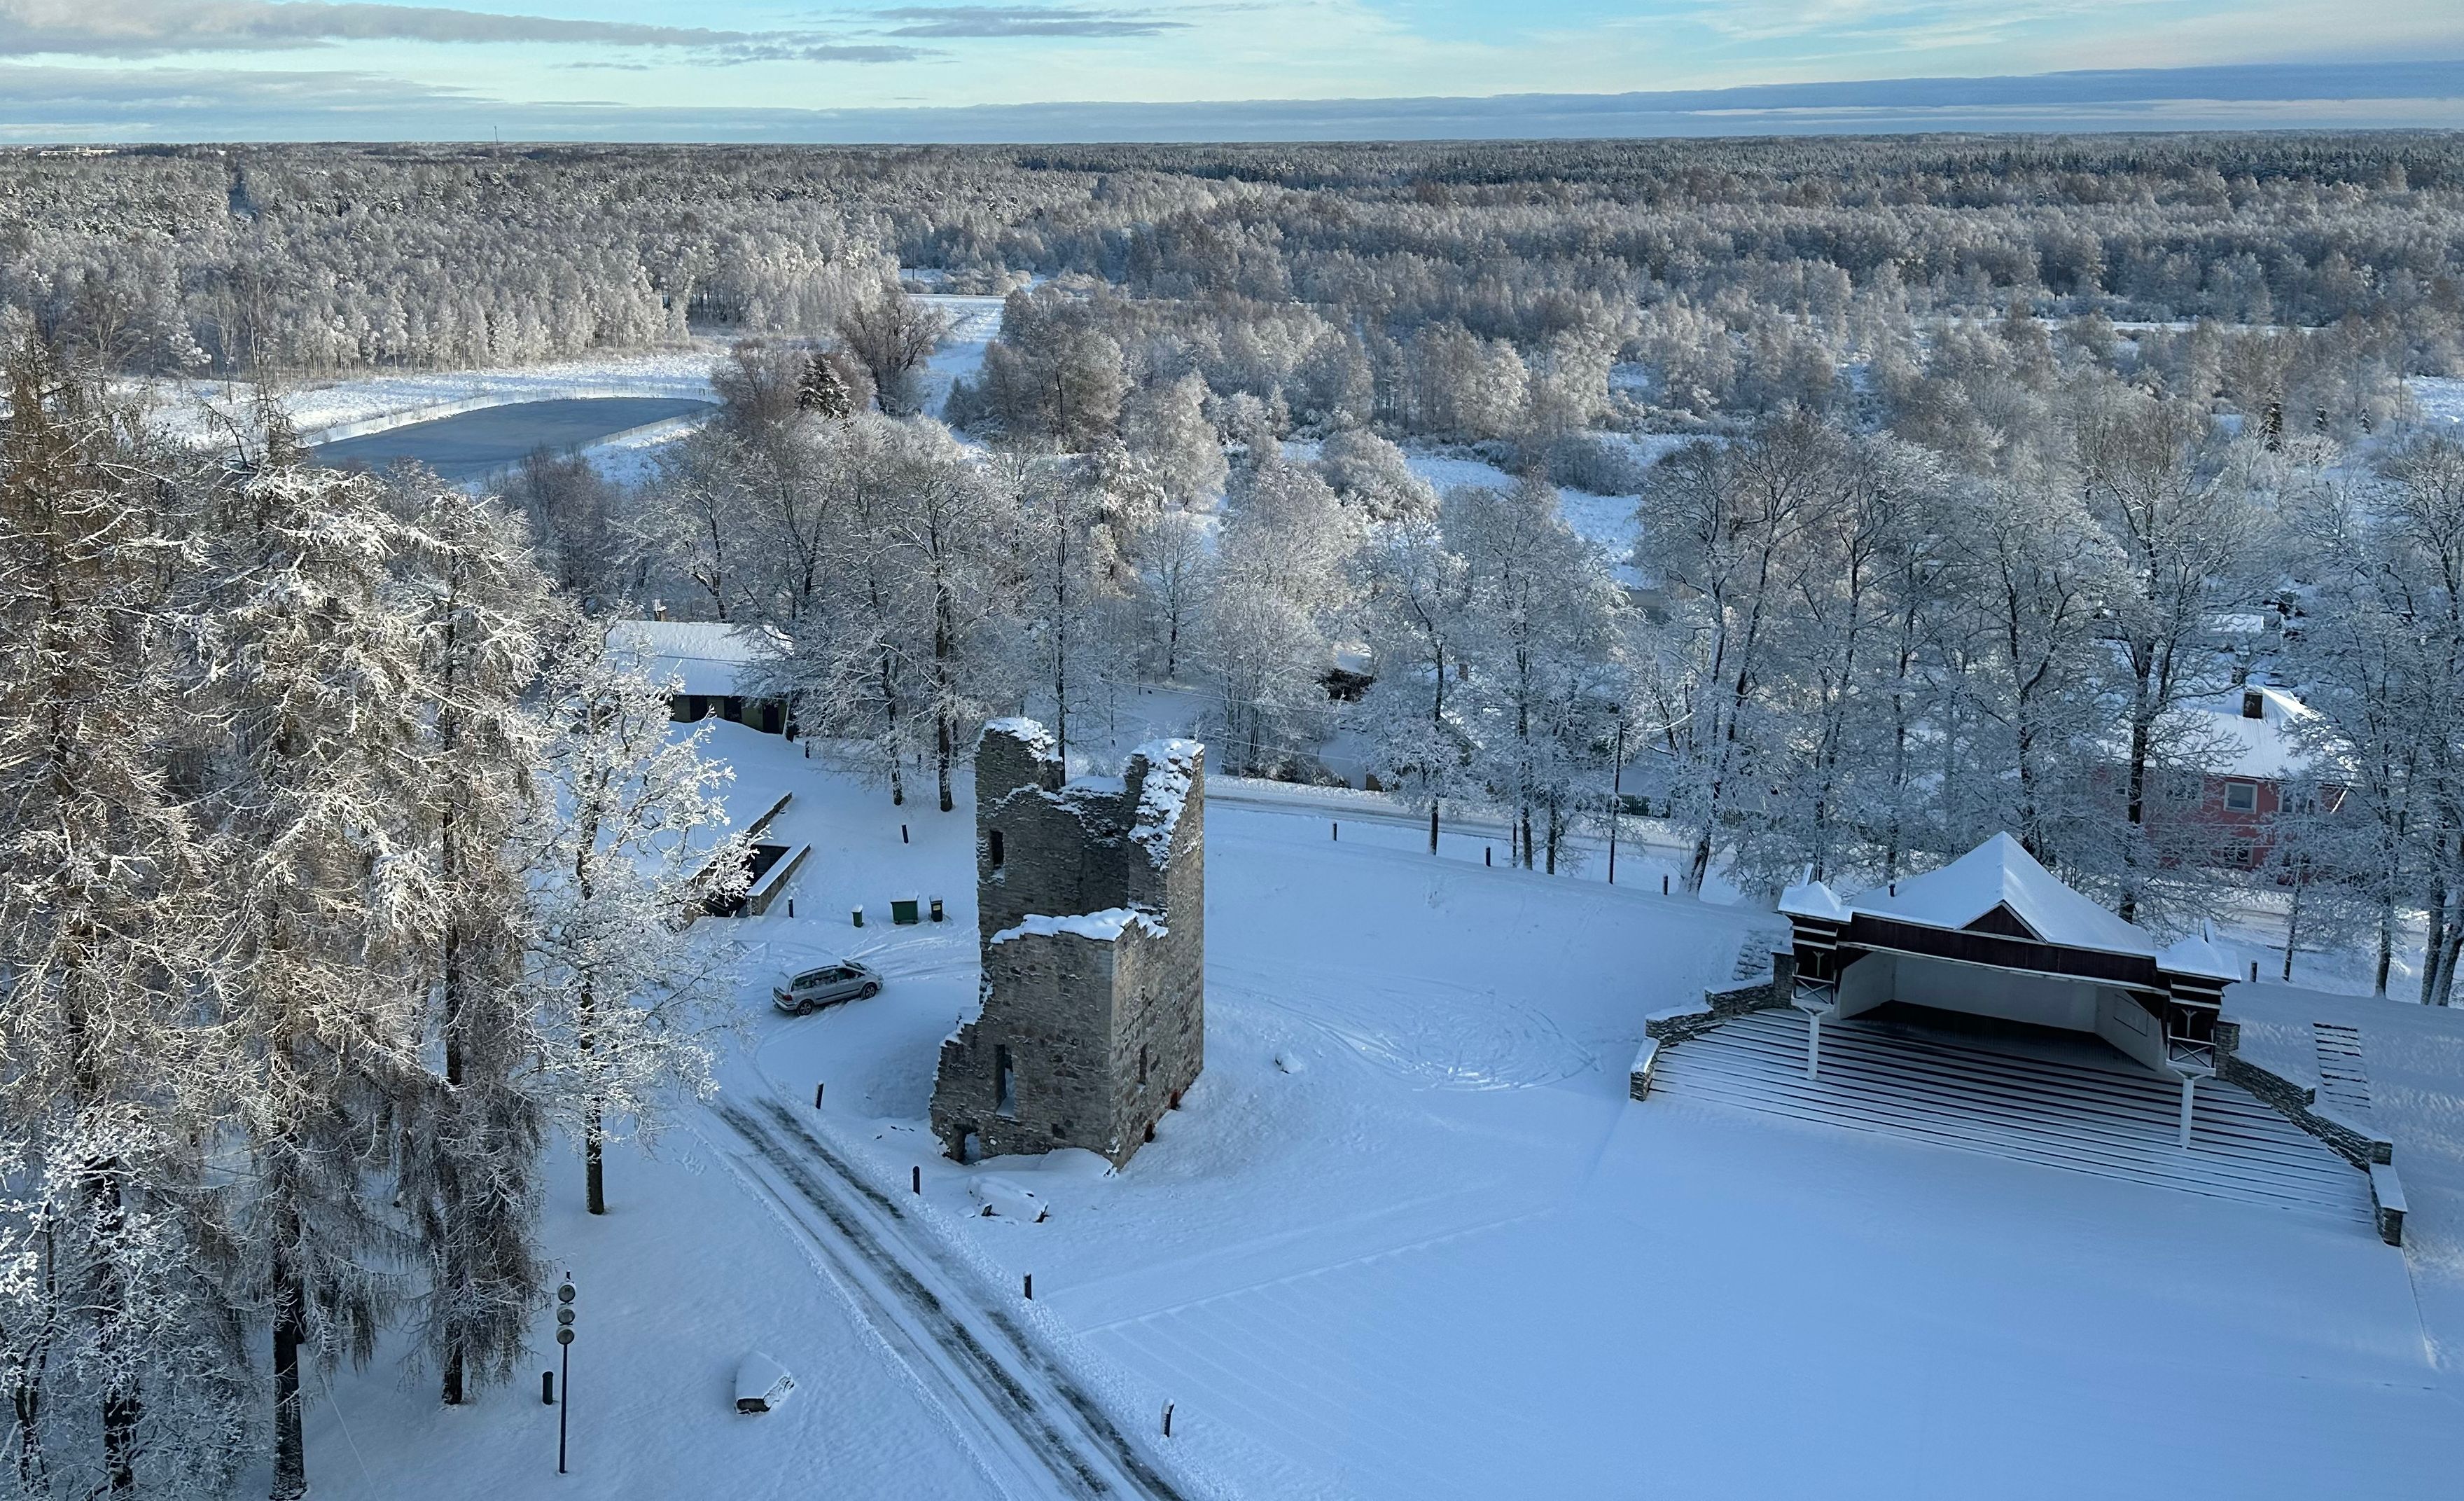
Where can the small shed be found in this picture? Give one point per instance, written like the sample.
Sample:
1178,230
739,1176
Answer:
708,664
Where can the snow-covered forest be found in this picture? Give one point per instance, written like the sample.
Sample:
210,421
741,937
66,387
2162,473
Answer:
1800,505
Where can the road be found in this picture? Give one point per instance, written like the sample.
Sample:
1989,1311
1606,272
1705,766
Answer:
1033,1429
471,445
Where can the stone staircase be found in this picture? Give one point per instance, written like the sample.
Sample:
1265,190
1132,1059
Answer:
2055,1106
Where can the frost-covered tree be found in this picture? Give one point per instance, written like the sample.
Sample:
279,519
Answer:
1280,591
1173,561
1538,633
318,782
1417,594
623,987
1370,473
118,1348
893,335
1168,436
1072,579
2176,502
471,1136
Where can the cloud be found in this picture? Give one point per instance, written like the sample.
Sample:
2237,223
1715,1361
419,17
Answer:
793,47
145,28
48,103
1021,20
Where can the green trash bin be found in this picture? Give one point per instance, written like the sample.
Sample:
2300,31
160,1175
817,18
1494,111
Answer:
902,910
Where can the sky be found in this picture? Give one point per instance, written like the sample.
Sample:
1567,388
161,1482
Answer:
103,70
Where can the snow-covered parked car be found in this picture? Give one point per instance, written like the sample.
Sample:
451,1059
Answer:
831,983
761,1383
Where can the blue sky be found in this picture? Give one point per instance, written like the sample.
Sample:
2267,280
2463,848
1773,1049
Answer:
926,69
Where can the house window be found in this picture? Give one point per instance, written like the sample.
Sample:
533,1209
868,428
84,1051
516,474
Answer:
2253,704
2241,797
993,843
1004,1090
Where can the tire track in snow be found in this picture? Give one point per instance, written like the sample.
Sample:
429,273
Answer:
982,1362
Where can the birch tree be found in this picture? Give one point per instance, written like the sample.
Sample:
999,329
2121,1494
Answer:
624,988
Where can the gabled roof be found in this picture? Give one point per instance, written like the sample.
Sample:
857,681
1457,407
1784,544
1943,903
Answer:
707,656
1999,874
2268,747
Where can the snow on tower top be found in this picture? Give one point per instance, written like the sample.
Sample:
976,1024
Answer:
1170,764
1029,732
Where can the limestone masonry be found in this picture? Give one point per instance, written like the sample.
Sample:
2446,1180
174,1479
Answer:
1091,899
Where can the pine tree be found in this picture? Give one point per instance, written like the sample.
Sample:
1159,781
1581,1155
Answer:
319,768
111,1335
471,1173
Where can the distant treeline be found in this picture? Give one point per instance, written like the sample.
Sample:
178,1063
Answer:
323,259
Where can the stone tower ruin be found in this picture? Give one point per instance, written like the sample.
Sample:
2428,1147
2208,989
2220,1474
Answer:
1091,901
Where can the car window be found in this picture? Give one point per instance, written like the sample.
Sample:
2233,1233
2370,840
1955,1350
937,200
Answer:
813,977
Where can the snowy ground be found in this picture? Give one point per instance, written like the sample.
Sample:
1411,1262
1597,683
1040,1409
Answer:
1408,1238
350,407
974,321
2441,398
1607,522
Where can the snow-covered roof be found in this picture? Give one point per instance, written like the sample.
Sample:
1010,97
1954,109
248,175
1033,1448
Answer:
1812,899
2198,955
708,657
1999,874
1104,927
2267,747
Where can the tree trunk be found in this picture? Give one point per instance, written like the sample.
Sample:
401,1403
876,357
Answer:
594,1176
452,1210
290,1332
2434,941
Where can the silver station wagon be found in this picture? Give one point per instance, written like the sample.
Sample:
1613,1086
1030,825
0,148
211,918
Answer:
829,985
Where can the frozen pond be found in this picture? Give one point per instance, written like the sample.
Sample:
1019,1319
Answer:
471,444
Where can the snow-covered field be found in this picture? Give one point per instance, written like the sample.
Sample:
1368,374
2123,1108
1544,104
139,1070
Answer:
352,408
1408,1238
1607,522
974,321
2441,397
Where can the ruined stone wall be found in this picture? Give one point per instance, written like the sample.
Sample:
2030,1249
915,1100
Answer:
1048,1003
1159,993
1102,1033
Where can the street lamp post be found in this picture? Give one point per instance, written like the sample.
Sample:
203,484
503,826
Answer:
565,1343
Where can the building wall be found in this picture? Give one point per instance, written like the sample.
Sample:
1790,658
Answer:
1102,1035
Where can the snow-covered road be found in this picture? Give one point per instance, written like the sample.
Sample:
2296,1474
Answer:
1025,1418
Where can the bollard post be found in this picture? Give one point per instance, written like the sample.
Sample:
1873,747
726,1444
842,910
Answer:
1167,1420
817,1096
916,1180
1333,830
859,917
1663,886
1030,1287
547,1388
902,833
791,906
2254,972
564,1357
1488,854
